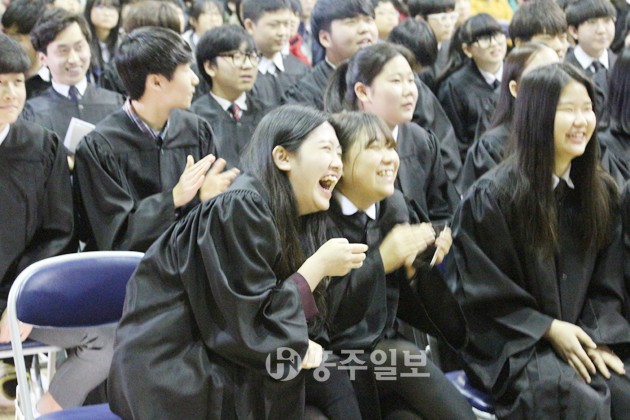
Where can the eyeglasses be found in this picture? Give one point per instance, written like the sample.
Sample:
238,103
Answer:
238,57
445,17
484,41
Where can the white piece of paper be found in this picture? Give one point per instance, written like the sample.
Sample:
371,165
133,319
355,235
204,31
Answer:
76,131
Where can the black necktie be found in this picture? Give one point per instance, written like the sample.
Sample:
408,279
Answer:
74,95
561,190
361,218
597,66
496,84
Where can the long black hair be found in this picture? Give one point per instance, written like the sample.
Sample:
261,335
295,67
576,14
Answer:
532,197
288,126
618,106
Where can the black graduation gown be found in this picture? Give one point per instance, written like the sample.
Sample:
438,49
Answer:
364,304
269,88
35,86
469,103
310,89
510,297
231,137
36,214
430,115
421,175
202,313
125,178
625,215
615,154
600,79
485,153
54,111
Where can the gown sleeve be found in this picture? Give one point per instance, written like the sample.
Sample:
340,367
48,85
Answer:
117,220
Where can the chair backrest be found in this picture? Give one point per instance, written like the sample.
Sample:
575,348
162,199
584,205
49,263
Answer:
74,290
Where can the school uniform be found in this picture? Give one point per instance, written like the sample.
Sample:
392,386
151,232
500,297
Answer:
204,311
596,70
511,294
54,110
231,134
485,153
125,177
277,75
615,153
469,101
364,307
421,176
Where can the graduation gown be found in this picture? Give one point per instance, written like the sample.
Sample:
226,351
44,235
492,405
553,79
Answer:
364,304
615,153
469,102
125,179
430,115
203,312
53,111
231,137
269,88
625,215
35,86
421,176
36,214
485,153
511,295
310,89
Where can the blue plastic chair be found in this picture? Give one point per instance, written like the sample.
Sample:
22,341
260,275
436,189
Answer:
482,404
74,290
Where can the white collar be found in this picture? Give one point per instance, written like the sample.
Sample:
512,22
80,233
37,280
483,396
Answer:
555,179
586,60
348,208
395,134
241,101
63,89
491,77
4,133
267,65
44,73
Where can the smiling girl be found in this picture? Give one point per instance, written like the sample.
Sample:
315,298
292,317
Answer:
537,244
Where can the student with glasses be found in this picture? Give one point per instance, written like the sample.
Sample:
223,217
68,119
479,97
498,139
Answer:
469,86
228,62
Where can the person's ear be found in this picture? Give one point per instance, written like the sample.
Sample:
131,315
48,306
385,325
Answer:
513,86
325,39
42,58
518,42
249,25
281,158
210,68
466,50
362,92
573,31
153,83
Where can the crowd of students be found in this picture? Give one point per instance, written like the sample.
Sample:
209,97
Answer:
345,181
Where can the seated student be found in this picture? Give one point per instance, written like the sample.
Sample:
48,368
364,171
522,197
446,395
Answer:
385,16
268,21
592,26
203,15
227,59
537,244
417,36
341,28
396,280
222,290
441,17
296,47
615,139
62,42
379,80
489,149
143,13
17,22
103,19
37,222
469,87
540,21
149,163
